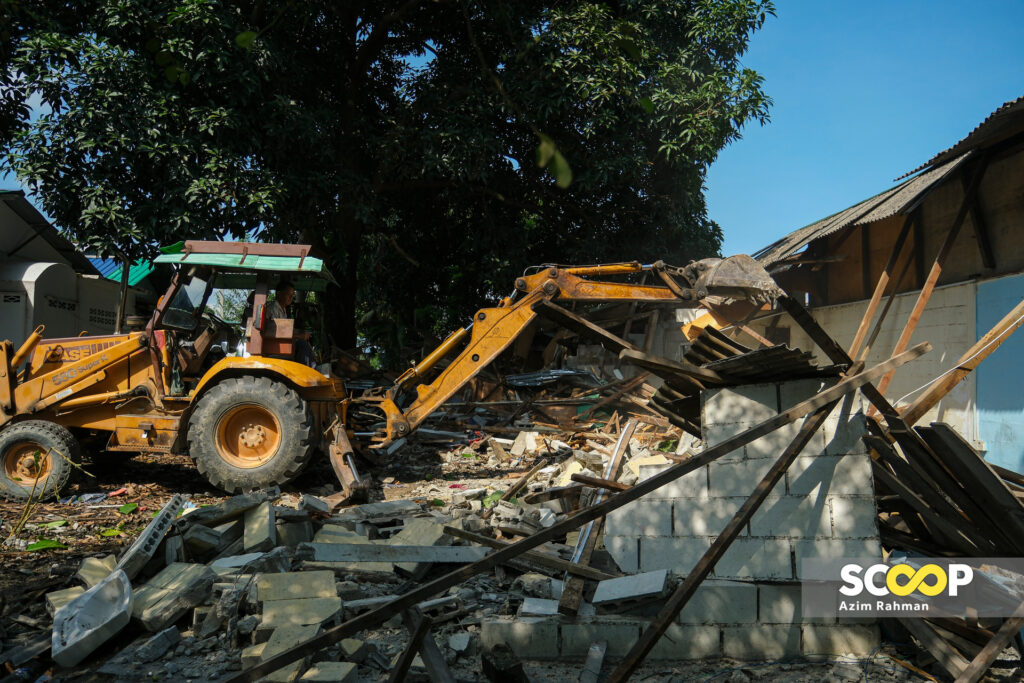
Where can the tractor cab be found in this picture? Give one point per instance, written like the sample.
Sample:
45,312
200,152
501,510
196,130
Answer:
217,306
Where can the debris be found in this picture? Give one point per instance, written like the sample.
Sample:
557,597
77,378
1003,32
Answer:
592,666
295,585
140,552
501,665
57,599
648,585
167,596
88,621
260,530
331,672
158,645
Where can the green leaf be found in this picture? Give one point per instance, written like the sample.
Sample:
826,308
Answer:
647,104
54,524
45,544
128,508
113,531
245,39
560,169
492,499
545,150
437,502
629,47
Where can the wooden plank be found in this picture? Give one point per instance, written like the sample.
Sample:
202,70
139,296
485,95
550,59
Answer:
372,552
933,276
629,386
681,596
599,483
967,362
661,366
417,634
437,667
936,646
543,559
519,485
893,291
980,664
988,259
581,326
880,287
381,614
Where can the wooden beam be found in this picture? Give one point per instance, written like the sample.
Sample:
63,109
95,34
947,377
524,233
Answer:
980,664
437,667
543,559
970,359
597,482
658,364
416,635
946,656
519,485
933,276
880,286
894,290
581,326
681,596
988,259
381,614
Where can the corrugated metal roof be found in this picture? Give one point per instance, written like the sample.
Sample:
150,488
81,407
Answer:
897,200
23,208
1000,124
111,269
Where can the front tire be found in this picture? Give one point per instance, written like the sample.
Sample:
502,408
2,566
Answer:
250,433
37,458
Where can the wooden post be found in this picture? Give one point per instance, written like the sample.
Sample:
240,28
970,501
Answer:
970,359
933,276
880,286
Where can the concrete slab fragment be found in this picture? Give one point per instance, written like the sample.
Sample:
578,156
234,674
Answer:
295,585
95,569
171,593
331,672
636,587
302,612
260,530
282,639
88,621
57,599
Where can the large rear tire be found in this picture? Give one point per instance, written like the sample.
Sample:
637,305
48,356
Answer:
249,433
37,459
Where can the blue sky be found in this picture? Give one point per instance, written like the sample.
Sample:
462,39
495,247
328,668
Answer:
863,92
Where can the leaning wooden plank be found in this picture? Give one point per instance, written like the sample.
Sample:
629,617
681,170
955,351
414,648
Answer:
970,359
372,552
681,596
536,557
416,636
581,326
437,667
597,482
519,485
980,664
381,614
945,655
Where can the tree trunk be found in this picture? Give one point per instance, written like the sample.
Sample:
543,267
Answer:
342,258
123,299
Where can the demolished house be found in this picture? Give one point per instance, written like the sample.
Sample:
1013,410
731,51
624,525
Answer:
643,507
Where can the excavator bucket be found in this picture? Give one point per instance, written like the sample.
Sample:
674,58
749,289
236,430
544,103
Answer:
735,277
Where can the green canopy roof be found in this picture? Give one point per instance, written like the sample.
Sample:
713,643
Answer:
308,266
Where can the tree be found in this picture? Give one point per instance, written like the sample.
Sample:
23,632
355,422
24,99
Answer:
431,149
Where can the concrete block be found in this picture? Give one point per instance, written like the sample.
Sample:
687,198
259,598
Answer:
353,650
252,655
635,464
756,558
172,592
794,516
641,518
843,435
625,550
721,602
57,599
692,485
832,475
331,672
840,639
696,517
291,534
296,585
314,504
772,445
95,569
798,391
751,403
717,432
620,635
739,477
635,587
260,530
530,638
141,550
678,555
232,508
174,549
91,619
525,442
334,533
854,516
301,612
778,604
235,561
419,531
201,539
836,547
687,642
748,643
158,645
282,639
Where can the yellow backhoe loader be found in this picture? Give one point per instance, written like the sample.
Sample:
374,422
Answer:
255,418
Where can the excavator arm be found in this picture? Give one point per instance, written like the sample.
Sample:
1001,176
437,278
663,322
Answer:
494,329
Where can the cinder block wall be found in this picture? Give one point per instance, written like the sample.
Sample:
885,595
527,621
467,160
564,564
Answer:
750,608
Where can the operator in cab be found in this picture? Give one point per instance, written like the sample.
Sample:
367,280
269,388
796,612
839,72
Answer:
278,308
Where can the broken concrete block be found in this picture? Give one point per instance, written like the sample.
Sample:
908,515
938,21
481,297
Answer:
296,585
460,497
253,655
201,539
168,595
301,612
349,590
460,642
630,588
501,665
565,478
199,615
635,464
57,599
592,665
174,549
140,552
260,530
285,638
158,645
89,620
331,672
382,511
334,533
353,650
422,532
230,509
526,442
314,504
235,561
293,533
95,569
